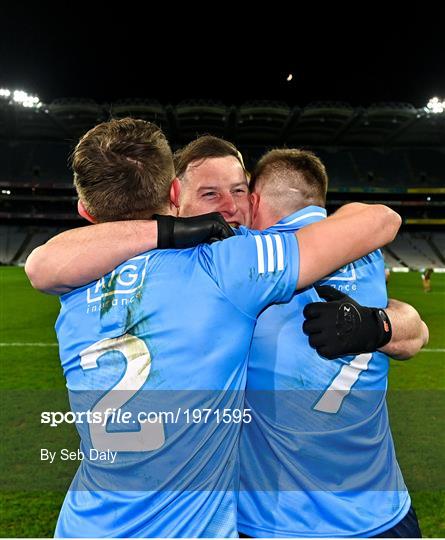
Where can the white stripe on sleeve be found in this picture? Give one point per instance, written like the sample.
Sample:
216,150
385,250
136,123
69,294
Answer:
270,253
280,252
260,253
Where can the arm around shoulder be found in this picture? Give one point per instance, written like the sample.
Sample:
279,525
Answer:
352,232
76,257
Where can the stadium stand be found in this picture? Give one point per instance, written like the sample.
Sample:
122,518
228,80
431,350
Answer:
415,251
37,237
11,238
5,114
427,166
261,121
319,123
41,161
341,167
391,153
5,161
191,118
76,116
379,168
146,109
438,240
17,242
47,162
38,124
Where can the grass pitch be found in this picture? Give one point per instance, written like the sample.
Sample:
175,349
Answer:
31,380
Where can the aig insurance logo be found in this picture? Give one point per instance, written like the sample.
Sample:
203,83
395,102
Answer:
343,279
120,287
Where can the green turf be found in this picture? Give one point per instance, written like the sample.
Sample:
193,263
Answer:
31,380
416,404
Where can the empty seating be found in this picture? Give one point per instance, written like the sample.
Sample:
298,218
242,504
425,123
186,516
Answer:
145,109
319,123
77,116
428,166
379,168
413,249
197,117
261,121
40,162
11,238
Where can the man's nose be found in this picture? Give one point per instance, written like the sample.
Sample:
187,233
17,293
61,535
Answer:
228,204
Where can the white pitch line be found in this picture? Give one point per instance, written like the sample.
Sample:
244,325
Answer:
29,344
56,344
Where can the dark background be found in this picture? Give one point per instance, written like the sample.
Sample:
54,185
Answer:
363,54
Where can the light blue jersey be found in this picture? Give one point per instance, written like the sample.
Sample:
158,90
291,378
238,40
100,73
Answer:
166,336
318,458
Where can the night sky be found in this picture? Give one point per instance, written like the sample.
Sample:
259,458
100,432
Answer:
117,55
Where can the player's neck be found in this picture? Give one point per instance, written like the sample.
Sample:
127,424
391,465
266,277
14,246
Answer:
167,210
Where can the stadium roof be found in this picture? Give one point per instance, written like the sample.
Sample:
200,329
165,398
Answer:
255,122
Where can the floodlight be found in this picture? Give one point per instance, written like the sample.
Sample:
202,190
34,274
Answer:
19,97
435,105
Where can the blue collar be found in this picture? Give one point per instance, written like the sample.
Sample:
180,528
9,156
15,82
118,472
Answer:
297,220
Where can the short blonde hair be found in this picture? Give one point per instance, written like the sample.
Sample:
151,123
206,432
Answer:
293,168
123,169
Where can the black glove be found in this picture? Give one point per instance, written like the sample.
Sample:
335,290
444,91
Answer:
341,326
175,232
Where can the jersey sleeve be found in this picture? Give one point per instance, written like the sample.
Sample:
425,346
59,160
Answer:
254,270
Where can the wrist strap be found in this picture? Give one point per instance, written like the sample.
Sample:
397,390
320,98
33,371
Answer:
385,327
165,231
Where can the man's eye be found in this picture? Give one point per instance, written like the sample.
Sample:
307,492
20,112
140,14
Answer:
240,190
209,194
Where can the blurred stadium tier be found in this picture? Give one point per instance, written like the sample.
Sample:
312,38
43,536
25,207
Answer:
17,241
389,153
416,250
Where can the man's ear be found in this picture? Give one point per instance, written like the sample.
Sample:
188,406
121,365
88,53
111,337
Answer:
84,213
255,202
175,192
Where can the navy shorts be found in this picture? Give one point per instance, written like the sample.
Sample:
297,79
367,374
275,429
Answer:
407,528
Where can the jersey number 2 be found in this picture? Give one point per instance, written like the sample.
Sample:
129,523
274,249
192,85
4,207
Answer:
138,359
